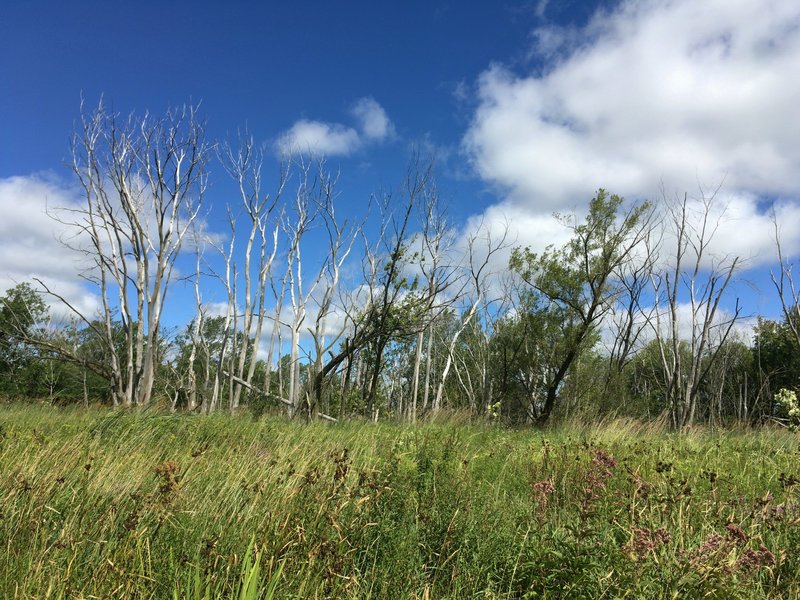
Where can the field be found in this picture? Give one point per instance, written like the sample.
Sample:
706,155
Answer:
97,504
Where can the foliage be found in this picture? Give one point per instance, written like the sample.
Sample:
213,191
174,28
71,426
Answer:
539,349
571,288
788,407
21,309
777,354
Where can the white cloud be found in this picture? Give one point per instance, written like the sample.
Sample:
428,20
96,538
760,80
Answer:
645,329
745,230
30,245
215,309
335,139
506,226
38,242
329,139
680,92
375,123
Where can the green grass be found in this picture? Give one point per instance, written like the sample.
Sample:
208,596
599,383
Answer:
149,505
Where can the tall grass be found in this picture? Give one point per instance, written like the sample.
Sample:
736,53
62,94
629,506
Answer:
149,505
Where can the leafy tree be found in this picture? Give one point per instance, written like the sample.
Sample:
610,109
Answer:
59,364
776,358
572,288
644,378
21,309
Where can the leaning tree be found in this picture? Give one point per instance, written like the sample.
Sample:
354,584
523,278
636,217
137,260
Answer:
573,288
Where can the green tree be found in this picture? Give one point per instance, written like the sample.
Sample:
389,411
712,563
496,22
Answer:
573,287
21,309
776,358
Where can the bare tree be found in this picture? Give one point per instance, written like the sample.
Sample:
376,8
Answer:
785,285
481,249
699,279
432,264
314,190
143,180
340,240
630,316
389,305
196,334
244,165
227,345
473,366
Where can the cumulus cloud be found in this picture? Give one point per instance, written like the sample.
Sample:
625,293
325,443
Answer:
30,240
330,139
682,92
336,139
505,226
375,123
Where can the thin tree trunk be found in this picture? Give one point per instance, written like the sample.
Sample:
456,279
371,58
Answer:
415,381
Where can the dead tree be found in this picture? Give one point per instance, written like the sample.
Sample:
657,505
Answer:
313,201
785,285
389,304
244,165
482,247
435,268
696,278
340,240
143,180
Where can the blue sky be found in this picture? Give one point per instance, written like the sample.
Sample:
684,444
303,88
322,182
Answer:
263,64
531,105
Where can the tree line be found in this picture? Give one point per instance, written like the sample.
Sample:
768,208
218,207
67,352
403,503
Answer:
392,313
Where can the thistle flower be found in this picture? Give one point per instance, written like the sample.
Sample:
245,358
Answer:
736,534
646,541
754,559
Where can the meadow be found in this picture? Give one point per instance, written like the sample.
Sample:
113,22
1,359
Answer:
100,504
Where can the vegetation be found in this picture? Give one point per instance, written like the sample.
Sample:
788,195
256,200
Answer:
685,484
153,505
506,365
393,317
573,288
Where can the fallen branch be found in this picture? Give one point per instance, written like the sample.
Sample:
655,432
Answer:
250,387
